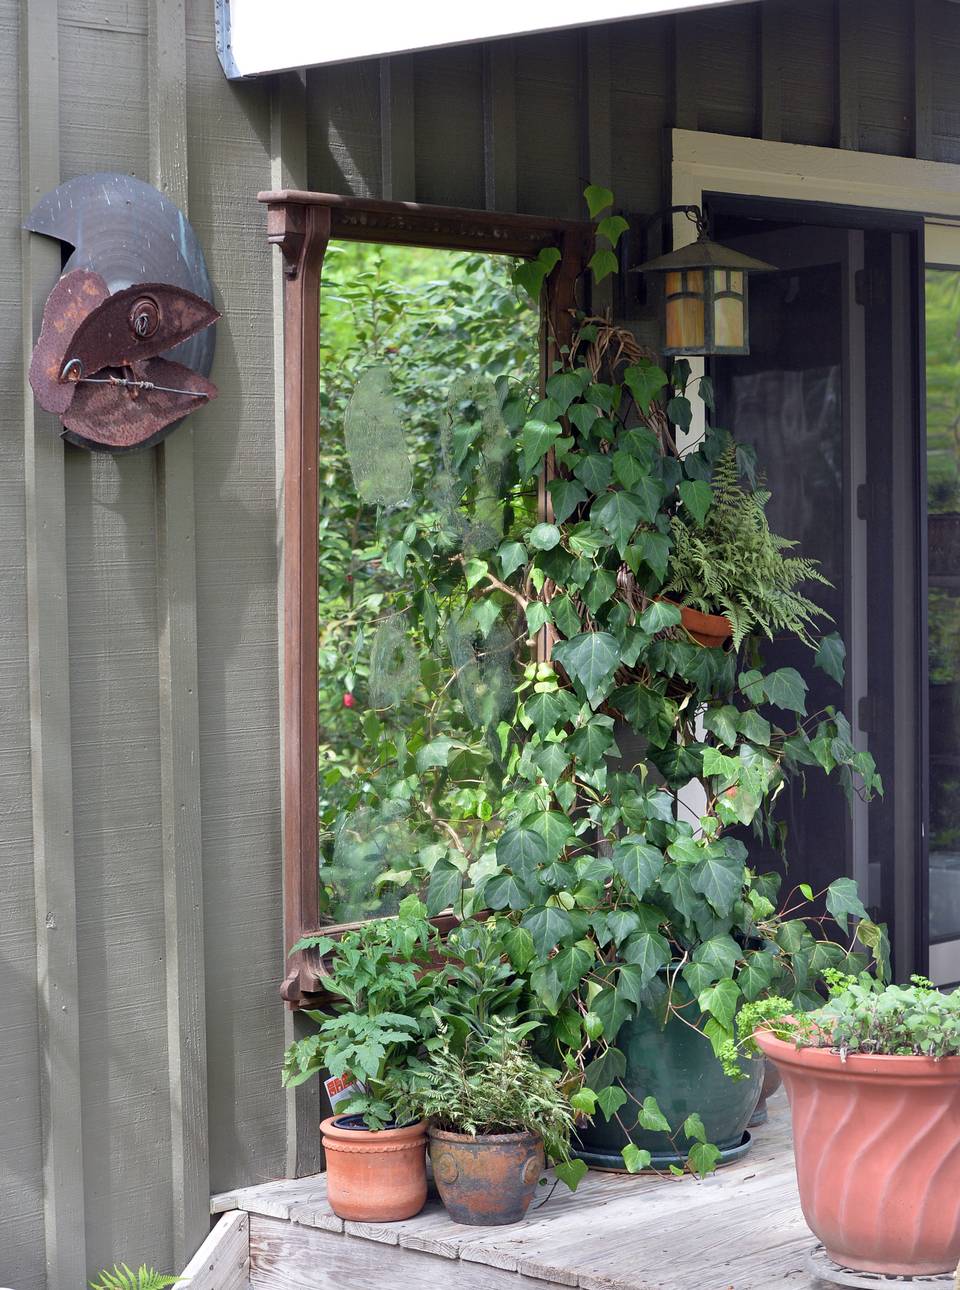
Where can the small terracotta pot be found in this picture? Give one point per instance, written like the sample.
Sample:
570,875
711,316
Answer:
711,630
375,1177
877,1147
486,1179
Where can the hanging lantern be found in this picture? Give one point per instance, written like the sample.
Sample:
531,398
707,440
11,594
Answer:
705,295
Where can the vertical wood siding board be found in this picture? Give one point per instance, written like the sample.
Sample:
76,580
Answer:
726,85
288,169
849,36
598,135
809,74
686,72
398,159
179,712
771,58
500,125
448,126
923,79
21,1157
235,487
51,759
549,158
343,129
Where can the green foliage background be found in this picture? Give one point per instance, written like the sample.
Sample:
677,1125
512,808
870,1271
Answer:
430,317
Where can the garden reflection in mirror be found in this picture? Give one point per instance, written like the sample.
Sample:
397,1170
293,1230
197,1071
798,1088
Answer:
415,432
379,461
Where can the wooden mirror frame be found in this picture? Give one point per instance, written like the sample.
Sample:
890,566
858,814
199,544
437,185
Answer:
301,224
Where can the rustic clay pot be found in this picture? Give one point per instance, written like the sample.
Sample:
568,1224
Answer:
712,630
487,1179
771,1082
877,1147
376,1177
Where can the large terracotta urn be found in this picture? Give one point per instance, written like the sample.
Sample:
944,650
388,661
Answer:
877,1147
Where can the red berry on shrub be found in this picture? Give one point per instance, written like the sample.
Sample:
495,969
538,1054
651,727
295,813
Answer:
348,700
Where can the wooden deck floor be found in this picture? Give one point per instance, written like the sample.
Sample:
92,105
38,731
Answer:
740,1229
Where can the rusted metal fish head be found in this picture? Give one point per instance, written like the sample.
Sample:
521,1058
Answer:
97,361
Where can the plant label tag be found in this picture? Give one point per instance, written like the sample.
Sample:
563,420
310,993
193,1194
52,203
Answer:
340,1088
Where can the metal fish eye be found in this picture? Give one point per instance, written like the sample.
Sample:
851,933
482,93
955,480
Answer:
144,317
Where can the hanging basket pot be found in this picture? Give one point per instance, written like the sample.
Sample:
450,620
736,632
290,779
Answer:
710,630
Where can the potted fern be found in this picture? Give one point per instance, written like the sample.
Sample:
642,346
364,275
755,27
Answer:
729,564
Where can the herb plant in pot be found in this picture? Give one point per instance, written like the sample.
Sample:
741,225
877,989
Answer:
383,977
873,1080
495,1114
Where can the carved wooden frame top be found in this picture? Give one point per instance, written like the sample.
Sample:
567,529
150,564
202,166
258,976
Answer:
301,224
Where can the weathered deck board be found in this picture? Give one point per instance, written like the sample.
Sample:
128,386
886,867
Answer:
741,1228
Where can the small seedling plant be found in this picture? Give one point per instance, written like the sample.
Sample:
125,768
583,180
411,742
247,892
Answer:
123,1278
862,1015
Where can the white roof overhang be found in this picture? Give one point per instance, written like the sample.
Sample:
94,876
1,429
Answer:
255,37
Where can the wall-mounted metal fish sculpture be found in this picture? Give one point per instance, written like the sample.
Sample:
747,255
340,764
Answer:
126,342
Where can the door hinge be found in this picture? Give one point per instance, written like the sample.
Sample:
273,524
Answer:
870,288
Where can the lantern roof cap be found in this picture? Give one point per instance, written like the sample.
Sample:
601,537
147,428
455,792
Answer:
704,254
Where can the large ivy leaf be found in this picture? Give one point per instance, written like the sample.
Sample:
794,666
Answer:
544,537
831,657
638,863
646,711
613,1008
678,763
597,198
649,494
719,879
548,926
594,471
536,439
603,1070
552,826
522,849
721,1001
547,709
644,381
843,899
551,761
504,891
531,274
651,1117
603,263
722,722
566,495
590,660
511,556
619,513
786,688
611,228
564,387
648,951
756,974
697,497
659,615
592,742
444,889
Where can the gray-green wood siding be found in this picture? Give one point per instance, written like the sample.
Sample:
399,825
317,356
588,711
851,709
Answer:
518,124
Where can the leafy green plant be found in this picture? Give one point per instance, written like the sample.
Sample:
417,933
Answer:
383,975
122,1278
730,563
624,879
489,1082
862,1015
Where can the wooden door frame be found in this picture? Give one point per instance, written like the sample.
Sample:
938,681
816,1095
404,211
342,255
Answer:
302,224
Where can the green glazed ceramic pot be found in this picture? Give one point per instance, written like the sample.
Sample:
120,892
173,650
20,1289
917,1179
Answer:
675,1064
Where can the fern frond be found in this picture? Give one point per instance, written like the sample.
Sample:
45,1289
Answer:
733,564
120,1277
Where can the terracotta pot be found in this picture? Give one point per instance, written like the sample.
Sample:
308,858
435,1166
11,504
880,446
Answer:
771,1082
712,630
487,1179
877,1147
376,1177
